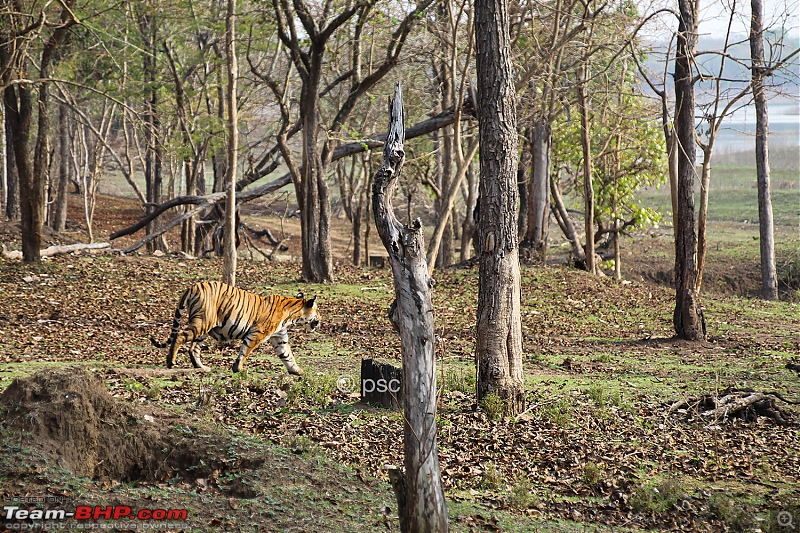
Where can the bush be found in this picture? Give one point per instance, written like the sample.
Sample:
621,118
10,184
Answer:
494,406
311,389
657,496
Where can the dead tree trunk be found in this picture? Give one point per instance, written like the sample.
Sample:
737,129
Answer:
420,490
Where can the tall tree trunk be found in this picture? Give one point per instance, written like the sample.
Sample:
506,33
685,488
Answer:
3,159
499,330
588,187
539,193
60,210
229,257
672,167
702,212
687,318
468,227
12,175
315,207
769,276
614,206
19,114
152,122
419,490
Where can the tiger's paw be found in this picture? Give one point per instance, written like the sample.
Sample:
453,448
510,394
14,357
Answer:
296,371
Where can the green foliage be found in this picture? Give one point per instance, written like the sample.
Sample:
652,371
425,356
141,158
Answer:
602,397
730,512
492,478
493,405
593,474
789,275
627,145
657,496
311,389
458,379
522,495
299,444
559,413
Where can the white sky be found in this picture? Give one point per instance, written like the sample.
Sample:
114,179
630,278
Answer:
714,15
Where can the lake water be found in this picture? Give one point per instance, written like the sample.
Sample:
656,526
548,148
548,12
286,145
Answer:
737,133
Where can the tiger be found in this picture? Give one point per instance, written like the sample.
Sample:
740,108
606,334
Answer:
228,313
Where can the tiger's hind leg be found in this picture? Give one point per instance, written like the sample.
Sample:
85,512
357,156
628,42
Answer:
194,356
190,334
280,342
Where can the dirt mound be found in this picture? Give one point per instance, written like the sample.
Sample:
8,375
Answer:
70,417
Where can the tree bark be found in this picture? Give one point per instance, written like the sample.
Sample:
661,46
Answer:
687,318
565,222
423,507
317,264
499,330
59,222
19,114
588,188
468,227
769,276
12,176
539,193
148,26
229,256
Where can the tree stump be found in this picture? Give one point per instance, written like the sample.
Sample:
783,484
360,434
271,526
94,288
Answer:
381,384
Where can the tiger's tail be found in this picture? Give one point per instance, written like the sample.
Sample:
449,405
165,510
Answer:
175,322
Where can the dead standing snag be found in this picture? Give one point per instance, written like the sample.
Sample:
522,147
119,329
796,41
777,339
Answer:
419,489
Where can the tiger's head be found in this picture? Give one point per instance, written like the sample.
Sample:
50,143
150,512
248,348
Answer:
309,314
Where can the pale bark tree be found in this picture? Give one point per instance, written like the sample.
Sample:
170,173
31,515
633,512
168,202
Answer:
499,330
769,277
229,256
59,212
419,489
451,67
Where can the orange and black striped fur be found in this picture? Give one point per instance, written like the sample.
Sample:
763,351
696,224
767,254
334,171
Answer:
228,313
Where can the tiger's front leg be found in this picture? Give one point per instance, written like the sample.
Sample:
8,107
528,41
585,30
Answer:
249,343
280,342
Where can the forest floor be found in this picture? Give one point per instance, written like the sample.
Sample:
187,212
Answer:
94,418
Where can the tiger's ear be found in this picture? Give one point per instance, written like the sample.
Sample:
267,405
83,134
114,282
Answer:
310,303
299,295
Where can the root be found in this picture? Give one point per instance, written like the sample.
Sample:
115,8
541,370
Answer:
746,404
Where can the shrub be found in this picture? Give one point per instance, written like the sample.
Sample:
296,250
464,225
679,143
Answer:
657,496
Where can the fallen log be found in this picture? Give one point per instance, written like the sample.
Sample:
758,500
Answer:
427,126
58,249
